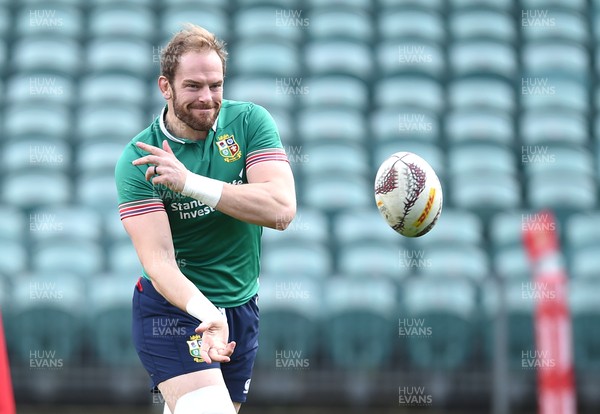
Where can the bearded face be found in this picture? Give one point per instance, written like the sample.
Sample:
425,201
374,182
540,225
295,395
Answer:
196,93
196,115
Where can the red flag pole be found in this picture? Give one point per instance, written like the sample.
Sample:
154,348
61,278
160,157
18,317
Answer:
7,401
553,337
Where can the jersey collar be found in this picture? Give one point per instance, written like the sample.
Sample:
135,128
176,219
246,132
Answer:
165,131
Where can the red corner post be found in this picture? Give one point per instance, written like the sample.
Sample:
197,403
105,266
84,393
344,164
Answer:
553,337
7,401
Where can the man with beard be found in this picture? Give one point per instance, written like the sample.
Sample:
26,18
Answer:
195,189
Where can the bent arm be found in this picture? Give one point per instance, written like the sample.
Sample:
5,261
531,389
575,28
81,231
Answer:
269,198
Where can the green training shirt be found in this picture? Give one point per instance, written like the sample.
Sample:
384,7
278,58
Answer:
218,253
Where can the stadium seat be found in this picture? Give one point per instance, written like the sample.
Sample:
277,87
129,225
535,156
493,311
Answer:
434,5
478,24
134,56
561,190
519,308
122,20
335,157
335,91
53,17
409,91
486,193
565,58
97,191
71,222
547,126
107,87
211,18
13,258
31,87
357,4
410,56
437,326
13,225
411,23
289,322
465,93
480,125
35,3
585,311
363,225
481,157
271,22
585,262
43,310
574,5
100,157
5,25
29,189
291,258
505,5
482,57
373,259
339,23
123,259
394,124
454,227
38,118
25,154
47,53
338,57
555,93
109,320
272,3
269,57
70,255
267,91
309,225
331,124
365,303
557,158
555,24
511,263
453,261
581,230
506,227
110,122
335,193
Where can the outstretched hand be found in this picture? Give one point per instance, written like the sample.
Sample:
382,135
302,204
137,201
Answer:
164,168
214,346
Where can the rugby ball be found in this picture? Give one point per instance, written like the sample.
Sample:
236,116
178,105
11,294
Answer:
408,194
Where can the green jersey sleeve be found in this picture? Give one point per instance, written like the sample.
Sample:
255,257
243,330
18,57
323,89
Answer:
264,143
136,195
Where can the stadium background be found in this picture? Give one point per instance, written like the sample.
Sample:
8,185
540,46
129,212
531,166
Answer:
500,96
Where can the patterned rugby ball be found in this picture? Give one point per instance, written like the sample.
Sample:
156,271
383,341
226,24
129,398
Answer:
408,194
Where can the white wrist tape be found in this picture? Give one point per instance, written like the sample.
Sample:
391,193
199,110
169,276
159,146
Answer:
204,189
201,308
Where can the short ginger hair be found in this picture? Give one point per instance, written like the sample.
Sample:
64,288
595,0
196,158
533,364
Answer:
191,38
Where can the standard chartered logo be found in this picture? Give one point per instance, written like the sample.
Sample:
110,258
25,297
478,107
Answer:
191,210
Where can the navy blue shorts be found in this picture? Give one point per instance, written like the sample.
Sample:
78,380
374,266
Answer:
168,346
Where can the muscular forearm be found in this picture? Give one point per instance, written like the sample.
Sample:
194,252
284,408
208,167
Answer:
179,291
258,203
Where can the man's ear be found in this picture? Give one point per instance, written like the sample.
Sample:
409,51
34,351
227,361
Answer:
165,87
